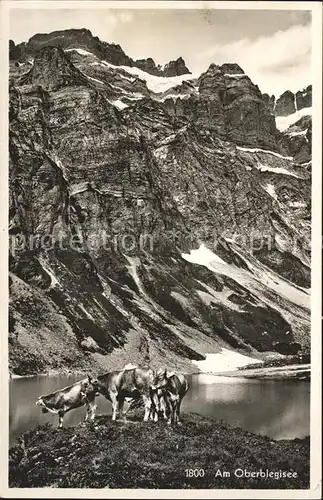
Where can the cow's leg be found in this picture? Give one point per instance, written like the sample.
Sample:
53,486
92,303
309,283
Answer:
154,407
87,404
61,414
147,404
171,417
163,408
176,412
90,410
122,411
114,401
93,410
179,411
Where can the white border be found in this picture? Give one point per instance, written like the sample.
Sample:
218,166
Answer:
315,489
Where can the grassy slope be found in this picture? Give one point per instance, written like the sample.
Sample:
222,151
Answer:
104,454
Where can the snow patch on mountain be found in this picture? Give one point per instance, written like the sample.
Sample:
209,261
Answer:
171,96
156,84
284,122
234,75
82,52
275,170
119,104
258,150
224,361
297,204
258,278
270,188
294,134
94,79
203,256
50,272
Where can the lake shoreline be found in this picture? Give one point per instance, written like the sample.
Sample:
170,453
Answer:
153,455
244,372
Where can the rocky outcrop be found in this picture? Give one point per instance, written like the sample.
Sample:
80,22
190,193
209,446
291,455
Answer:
176,68
173,68
288,103
299,136
148,65
52,70
269,101
232,106
111,182
285,104
304,98
75,38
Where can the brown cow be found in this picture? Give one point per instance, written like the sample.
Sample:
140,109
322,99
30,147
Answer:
170,389
133,383
71,397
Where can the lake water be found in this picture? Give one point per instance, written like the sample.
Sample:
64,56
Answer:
279,409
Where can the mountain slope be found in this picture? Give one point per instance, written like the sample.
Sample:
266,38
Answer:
116,175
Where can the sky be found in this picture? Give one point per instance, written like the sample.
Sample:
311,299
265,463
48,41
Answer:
272,46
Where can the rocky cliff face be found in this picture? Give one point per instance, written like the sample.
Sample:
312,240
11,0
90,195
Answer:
289,102
173,68
294,119
152,219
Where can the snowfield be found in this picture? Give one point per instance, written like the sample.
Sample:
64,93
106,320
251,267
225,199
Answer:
203,256
156,84
283,122
119,104
224,361
259,279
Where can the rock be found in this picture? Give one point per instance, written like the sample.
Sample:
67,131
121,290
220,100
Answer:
52,70
285,104
175,68
304,98
78,39
233,108
147,65
89,344
269,101
232,69
15,52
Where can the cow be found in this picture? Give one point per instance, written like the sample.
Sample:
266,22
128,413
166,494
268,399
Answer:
130,384
69,398
162,405
170,389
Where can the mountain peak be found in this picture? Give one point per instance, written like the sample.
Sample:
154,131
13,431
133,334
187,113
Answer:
176,68
173,68
52,69
232,69
75,32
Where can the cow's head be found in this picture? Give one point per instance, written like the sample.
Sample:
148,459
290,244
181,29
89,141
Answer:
41,403
91,385
161,379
